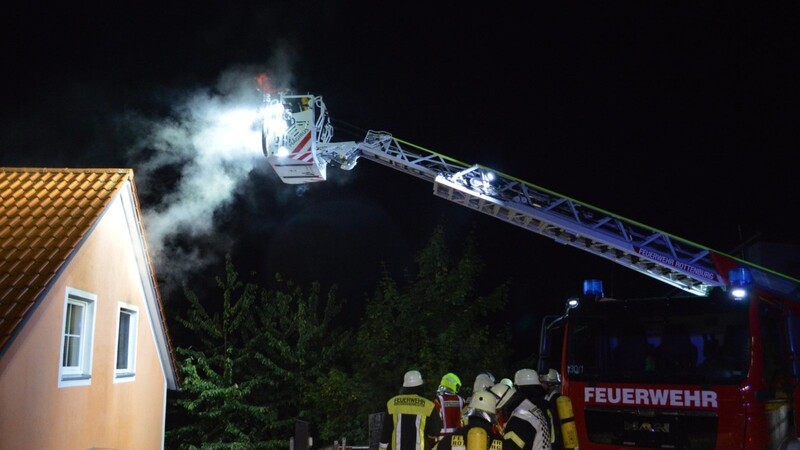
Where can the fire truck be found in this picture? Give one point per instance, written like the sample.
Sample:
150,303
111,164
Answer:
714,365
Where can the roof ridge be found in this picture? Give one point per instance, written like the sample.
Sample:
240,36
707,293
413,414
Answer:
67,169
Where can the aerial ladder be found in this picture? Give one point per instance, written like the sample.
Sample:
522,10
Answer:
297,141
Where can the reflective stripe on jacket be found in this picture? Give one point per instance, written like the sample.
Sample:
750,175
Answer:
528,428
450,408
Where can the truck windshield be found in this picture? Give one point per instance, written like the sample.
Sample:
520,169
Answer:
685,341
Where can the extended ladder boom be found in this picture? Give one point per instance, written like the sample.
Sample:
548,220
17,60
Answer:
675,261
680,263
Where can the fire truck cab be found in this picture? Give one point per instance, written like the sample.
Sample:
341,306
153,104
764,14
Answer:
678,372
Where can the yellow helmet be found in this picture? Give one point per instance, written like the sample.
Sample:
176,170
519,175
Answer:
451,382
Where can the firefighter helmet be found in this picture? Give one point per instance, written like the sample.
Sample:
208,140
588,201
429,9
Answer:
483,401
451,382
502,393
483,404
552,376
412,378
507,382
483,382
526,377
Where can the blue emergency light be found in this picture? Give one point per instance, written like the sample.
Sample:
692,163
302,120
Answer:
741,281
593,288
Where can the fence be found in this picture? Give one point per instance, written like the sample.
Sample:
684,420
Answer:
302,440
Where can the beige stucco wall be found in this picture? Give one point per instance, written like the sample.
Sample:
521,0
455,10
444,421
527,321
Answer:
34,412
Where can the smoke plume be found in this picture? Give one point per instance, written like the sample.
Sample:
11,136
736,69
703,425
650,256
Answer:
193,163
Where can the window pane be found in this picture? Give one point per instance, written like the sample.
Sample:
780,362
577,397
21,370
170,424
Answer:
72,352
123,340
74,318
72,335
646,341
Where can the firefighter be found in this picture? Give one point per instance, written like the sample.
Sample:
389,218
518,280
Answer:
526,425
483,382
411,421
509,383
551,381
449,404
527,382
479,433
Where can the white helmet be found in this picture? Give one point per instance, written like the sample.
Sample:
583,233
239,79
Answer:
526,377
552,376
483,401
483,404
483,382
503,393
412,378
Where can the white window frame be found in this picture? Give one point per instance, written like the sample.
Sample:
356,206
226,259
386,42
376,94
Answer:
80,373
127,373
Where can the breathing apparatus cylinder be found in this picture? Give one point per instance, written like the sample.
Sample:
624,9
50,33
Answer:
477,439
569,433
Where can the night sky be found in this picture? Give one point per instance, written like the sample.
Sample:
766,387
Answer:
681,118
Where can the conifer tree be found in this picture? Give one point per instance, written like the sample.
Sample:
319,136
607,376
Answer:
219,373
434,321
300,349
254,367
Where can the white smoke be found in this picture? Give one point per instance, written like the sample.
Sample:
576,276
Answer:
207,148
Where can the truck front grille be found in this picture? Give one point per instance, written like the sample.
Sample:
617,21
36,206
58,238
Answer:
647,428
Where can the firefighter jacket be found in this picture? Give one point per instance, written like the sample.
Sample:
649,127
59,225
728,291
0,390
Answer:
537,395
464,438
527,428
411,423
450,408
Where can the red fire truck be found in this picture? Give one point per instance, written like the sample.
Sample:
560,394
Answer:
683,372
716,367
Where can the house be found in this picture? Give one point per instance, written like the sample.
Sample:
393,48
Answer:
85,354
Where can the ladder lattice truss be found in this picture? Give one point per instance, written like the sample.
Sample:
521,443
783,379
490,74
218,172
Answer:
680,263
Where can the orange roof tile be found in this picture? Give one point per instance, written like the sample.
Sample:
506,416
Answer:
37,234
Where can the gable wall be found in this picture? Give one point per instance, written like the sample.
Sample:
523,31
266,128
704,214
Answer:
34,411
